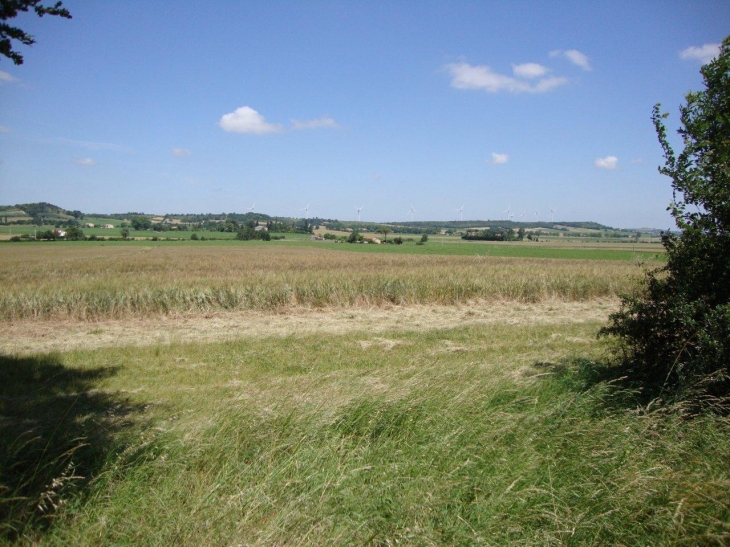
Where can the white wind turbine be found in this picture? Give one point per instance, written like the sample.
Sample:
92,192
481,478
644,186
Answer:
306,210
507,210
412,211
358,209
551,214
522,216
461,212
252,207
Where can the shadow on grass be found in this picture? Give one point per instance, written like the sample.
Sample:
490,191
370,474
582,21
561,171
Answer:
609,382
56,431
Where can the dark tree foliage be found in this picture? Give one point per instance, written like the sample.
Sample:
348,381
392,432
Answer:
10,9
676,334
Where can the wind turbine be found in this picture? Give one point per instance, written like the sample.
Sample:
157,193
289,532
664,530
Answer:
461,213
306,210
507,211
358,209
551,214
252,207
412,211
522,216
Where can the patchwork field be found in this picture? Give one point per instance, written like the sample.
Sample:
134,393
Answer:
299,395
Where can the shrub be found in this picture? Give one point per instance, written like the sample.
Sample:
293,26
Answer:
676,334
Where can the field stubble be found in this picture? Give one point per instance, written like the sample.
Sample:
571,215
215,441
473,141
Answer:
95,283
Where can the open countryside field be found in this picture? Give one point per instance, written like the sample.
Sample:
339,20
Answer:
305,394
83,281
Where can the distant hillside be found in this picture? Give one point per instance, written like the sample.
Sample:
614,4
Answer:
39,210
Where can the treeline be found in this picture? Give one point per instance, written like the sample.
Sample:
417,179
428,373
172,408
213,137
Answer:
497,235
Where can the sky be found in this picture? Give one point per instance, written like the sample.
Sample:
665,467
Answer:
163,106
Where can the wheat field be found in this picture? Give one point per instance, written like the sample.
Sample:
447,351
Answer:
97,282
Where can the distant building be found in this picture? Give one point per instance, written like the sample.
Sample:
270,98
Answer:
261,229
88,225
108,226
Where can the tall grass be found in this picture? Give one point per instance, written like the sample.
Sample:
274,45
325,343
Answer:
110,282
480,435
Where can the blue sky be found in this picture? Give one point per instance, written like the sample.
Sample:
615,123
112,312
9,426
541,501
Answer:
181,107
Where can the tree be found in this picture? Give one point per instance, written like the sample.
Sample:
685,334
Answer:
10,9
424,238
385,230
676,333
74,234
141,223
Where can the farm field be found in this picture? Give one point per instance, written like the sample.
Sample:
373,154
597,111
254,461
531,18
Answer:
305,394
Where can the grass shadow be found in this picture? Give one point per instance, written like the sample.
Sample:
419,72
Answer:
56,431
608,381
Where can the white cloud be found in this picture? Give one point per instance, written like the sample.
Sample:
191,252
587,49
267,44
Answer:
246,120
574,56
324,121
529,70
6,78
705,53
86,162
499,159
4,129
637,160
181,152
466,76
609,162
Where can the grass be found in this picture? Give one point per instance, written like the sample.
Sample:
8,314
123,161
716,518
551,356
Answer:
481,435
127,280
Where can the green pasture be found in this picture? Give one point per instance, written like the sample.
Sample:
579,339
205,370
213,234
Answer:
434,246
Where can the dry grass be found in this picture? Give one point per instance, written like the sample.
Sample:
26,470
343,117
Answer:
91,283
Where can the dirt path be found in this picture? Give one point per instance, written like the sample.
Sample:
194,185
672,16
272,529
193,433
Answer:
23,337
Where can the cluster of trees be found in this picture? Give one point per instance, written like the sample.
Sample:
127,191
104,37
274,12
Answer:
248,233
495,235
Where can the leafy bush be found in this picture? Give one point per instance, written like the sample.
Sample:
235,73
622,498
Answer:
676,334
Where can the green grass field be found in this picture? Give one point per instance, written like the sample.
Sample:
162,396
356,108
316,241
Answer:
498,436
489,426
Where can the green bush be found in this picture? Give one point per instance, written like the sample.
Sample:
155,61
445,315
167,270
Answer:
676,334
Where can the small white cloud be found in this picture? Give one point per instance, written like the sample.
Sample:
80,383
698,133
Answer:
324,121
637,160
499,159
609,162
466,76
246,120
574,56
86,162
705,53
4,129
529,70
181,152
6,78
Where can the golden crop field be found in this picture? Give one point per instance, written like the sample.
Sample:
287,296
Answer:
95,282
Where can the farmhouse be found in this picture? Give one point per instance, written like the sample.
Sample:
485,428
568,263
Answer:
108,226
88,225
